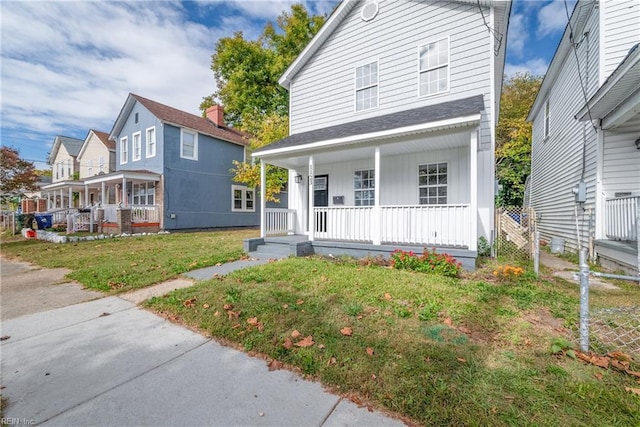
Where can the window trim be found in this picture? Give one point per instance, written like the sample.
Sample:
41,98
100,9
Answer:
148,153
124,150
547,120
90,167
101,163
437,163
135,157
356,89
448,66
195,143
244,189
362,189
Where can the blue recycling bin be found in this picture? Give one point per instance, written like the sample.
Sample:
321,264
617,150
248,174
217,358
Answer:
44,221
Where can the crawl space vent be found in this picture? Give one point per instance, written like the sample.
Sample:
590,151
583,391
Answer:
369,11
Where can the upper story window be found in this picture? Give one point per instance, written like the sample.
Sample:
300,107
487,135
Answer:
124,150
188,144
367,86
90,168
546,119
69,168
242,199
137,146
101,163
432,184
151,142
364,187
434,67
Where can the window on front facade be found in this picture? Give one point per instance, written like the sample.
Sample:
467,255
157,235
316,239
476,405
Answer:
124,150
151,142
101,163
69,168
367,86
432,184
243,199
188,144
434,67
137,146
364,187
144,193
546,119
90,168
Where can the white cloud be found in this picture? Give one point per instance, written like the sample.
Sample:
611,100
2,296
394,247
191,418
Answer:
536,66
553,17
271,9
517,34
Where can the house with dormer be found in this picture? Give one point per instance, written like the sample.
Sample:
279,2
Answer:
393,109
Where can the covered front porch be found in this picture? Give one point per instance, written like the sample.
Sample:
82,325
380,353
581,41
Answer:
373,192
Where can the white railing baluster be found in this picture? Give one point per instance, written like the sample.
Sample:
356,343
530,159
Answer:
620,217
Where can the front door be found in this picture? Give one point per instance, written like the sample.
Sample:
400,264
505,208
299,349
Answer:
321,199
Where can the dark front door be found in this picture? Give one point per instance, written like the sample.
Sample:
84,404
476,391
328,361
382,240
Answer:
320,199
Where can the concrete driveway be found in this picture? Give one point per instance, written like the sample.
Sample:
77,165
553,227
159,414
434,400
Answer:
106,362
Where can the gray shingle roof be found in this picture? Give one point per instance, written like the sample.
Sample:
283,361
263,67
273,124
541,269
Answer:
72,145
416,116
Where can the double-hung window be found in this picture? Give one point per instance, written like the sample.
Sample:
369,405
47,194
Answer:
188,144
90,168
367,86
364,191
124,150
101,163
242,199
137,146
144,194
151,142
432,184
434,67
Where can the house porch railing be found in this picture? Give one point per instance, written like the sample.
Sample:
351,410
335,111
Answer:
437,225
139,213
621,216
280,221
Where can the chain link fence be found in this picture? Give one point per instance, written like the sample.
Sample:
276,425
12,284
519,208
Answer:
615,328
515,232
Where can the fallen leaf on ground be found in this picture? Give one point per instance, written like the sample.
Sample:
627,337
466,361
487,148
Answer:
190,302
134,264
464,330
285,305
295,334
369,351
600,361
227,307
633,390
618,355
598,376
300,302
634,373
321,346
461,359
288,343
306,342
233,314
448,321
205,306
217,313
346,331
274,365
253,321
387,296
331,361
218,264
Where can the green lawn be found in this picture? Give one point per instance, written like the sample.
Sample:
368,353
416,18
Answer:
439,351
122,264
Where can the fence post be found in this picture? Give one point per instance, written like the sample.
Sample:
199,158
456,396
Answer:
584,301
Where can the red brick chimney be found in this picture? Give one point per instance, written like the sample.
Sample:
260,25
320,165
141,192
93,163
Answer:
215,113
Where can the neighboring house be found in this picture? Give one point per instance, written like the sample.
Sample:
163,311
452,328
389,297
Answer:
393,107
97,157
173,168
64,173
586,135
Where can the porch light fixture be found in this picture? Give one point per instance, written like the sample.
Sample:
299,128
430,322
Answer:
298,179
637,144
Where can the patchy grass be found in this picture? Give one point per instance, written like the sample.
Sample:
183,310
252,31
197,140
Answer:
122,264
439,351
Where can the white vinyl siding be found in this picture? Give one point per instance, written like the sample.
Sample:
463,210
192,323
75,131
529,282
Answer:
151,142
364,190
393,36
124,150
188,144
620,32
366,83
137,146
242,199
620,161
433,61
546,119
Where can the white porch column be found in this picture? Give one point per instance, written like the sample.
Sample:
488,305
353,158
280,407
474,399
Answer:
125,200
61,198
86,195
312,217
376,232
600,194
70,197
473,188
102,189
263,199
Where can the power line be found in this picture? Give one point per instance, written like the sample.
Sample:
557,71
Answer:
498,37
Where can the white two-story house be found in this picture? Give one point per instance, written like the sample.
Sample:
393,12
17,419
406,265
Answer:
585,162
393,108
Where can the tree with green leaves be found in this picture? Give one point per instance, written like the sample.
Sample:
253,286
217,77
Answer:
247,73
513,137
16,174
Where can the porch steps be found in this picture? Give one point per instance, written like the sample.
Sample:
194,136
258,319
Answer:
278,250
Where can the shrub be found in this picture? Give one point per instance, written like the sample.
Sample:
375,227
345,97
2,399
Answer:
484,248
429,262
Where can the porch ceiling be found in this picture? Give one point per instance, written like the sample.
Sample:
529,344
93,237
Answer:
117,177
434,140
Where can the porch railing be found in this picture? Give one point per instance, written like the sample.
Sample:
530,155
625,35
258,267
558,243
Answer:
621,215
280,221
145,213
440,225
343,223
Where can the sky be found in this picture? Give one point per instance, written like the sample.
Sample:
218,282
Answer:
67,67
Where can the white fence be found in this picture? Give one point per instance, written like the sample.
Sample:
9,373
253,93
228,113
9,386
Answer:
280,221
343,223
145,213
621,217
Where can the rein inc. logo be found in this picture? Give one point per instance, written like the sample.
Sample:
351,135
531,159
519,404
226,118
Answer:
17,422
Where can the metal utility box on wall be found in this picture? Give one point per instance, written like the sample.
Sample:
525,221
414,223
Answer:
580,191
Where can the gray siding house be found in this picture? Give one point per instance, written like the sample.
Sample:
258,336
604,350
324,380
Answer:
393,107
585,166
172,168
